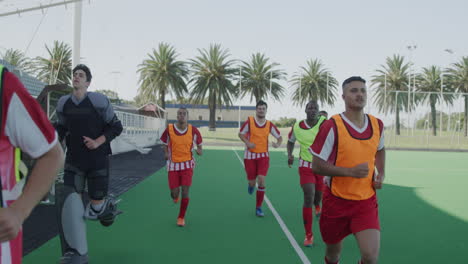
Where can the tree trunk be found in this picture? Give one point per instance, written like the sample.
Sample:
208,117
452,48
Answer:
212,106
397,121
465,122
433,116
163,100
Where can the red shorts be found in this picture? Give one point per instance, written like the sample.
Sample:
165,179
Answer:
341,217
308,176
178,178
255,167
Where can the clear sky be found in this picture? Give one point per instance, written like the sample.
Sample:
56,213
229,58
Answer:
350,37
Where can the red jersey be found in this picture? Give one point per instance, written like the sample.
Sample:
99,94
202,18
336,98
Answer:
24,126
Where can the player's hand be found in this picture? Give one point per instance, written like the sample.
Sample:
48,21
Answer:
378,180
90,143
10,224
326,180
275,144
166,156
290,160
360,170
250,145
199,151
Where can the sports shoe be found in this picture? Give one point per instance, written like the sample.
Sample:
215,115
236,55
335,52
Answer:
107,214
71,257
181,222
250,189
259,212
176,200
309,240
318,211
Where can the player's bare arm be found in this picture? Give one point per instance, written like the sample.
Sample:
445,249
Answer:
278,142
40,180
246,141
166,152
322,167
380,165
290,149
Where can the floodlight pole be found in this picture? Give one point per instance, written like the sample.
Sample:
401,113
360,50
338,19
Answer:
240,90
441,94
385,93
76,33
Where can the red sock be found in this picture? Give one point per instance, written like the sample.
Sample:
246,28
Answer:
329,262
307,216
183,207
260,195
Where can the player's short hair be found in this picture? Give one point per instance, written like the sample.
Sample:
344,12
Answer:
312,101
183,108
323,112
85,69
352,79
261,102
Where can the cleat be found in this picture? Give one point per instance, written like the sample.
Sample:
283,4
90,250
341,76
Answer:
250,189
318,211
109,219
71,257
181,222
107,214
259,212
309,241
176,200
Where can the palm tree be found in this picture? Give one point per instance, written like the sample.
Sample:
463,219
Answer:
162,74
212,77
394,74
458,79
260,79
430,81
141,100
315,82
18,59
58,67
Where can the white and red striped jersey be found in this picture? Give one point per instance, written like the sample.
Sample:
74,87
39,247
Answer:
25,126
326,142
178,166
245,130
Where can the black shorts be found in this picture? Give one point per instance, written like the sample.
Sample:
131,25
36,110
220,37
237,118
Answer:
97,180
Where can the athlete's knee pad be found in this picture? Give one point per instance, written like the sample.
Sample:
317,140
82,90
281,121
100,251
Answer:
98,183
74,177
107,213
72,226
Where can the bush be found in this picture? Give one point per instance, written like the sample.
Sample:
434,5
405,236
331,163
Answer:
284,122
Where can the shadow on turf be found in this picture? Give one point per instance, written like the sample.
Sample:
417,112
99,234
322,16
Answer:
414,231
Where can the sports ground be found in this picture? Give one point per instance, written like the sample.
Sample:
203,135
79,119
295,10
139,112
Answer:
423,214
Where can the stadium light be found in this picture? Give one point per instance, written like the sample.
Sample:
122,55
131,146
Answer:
411,48
441,98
